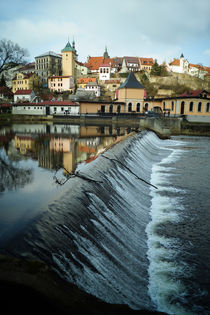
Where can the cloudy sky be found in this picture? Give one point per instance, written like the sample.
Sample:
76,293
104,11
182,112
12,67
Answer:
161,29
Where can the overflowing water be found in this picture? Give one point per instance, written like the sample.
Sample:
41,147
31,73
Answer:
125,241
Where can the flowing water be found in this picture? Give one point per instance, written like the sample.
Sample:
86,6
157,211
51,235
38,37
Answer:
111,233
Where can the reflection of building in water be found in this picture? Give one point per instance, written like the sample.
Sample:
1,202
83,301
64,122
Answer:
25,143
49,159
90,131
66,147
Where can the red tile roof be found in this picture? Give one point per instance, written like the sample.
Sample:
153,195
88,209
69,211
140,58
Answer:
50,103
175,62
86,80
23,92
105,65
5,91
146,61
95,62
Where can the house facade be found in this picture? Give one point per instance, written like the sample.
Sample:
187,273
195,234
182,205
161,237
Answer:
82,82
24,96
101,107
146,64
46,65
194,106
93,87
60,83
61,108
104,72
25,81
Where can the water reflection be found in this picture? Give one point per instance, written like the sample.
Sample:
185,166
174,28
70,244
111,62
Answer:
31,155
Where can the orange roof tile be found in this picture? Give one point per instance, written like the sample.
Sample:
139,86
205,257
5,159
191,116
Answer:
175,62
146,61
85,80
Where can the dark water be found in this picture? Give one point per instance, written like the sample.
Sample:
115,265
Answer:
116,237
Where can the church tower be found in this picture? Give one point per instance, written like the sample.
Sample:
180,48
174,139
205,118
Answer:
68,60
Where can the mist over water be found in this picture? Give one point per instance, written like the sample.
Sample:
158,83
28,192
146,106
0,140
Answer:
123,240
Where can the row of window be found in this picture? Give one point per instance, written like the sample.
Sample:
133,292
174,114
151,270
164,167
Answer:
192,107
19,82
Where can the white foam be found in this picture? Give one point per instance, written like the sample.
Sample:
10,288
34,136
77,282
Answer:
164,286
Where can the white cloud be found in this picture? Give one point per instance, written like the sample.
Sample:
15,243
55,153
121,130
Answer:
31,34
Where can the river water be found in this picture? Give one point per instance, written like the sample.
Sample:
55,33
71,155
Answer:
109,231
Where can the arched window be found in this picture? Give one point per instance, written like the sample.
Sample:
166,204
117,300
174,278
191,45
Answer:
118,108
111,109
191,106
199,106
146,107
172,105
207,107
129,107
138,106
182,108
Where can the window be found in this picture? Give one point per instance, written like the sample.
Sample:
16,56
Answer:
129,107
191,106
172,105
199,106
164,105
62,109
138,107
207,107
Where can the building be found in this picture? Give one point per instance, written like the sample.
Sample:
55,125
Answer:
104,71
80,69
68,60
101,107
60,83
27,81
24,96
195,106
146,64
61,108
130,64
182,65
131,92
82,82
46,65
93,87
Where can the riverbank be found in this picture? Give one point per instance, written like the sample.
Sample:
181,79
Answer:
31,287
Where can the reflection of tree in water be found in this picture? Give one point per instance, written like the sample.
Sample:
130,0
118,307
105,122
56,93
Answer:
13,177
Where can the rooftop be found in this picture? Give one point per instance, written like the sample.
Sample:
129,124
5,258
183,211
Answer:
49,53
131,83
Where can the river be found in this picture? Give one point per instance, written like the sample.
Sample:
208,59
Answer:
94,216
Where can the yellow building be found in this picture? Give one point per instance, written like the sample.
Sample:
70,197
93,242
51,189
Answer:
132,93
25,81
68,60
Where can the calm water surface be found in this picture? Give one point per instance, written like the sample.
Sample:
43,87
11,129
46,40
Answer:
35,158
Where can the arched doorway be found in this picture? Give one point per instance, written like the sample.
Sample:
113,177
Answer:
129,107
111,109
182,108
138,107
146,107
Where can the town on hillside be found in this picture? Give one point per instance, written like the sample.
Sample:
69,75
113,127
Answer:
59,84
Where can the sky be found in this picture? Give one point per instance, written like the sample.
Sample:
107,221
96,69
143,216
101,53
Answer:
161,29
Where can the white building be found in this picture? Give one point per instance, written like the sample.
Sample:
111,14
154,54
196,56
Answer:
104,71
93,87
61,83
62,108
182,65
24,96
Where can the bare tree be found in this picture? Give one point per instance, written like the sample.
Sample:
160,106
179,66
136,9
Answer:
11,55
